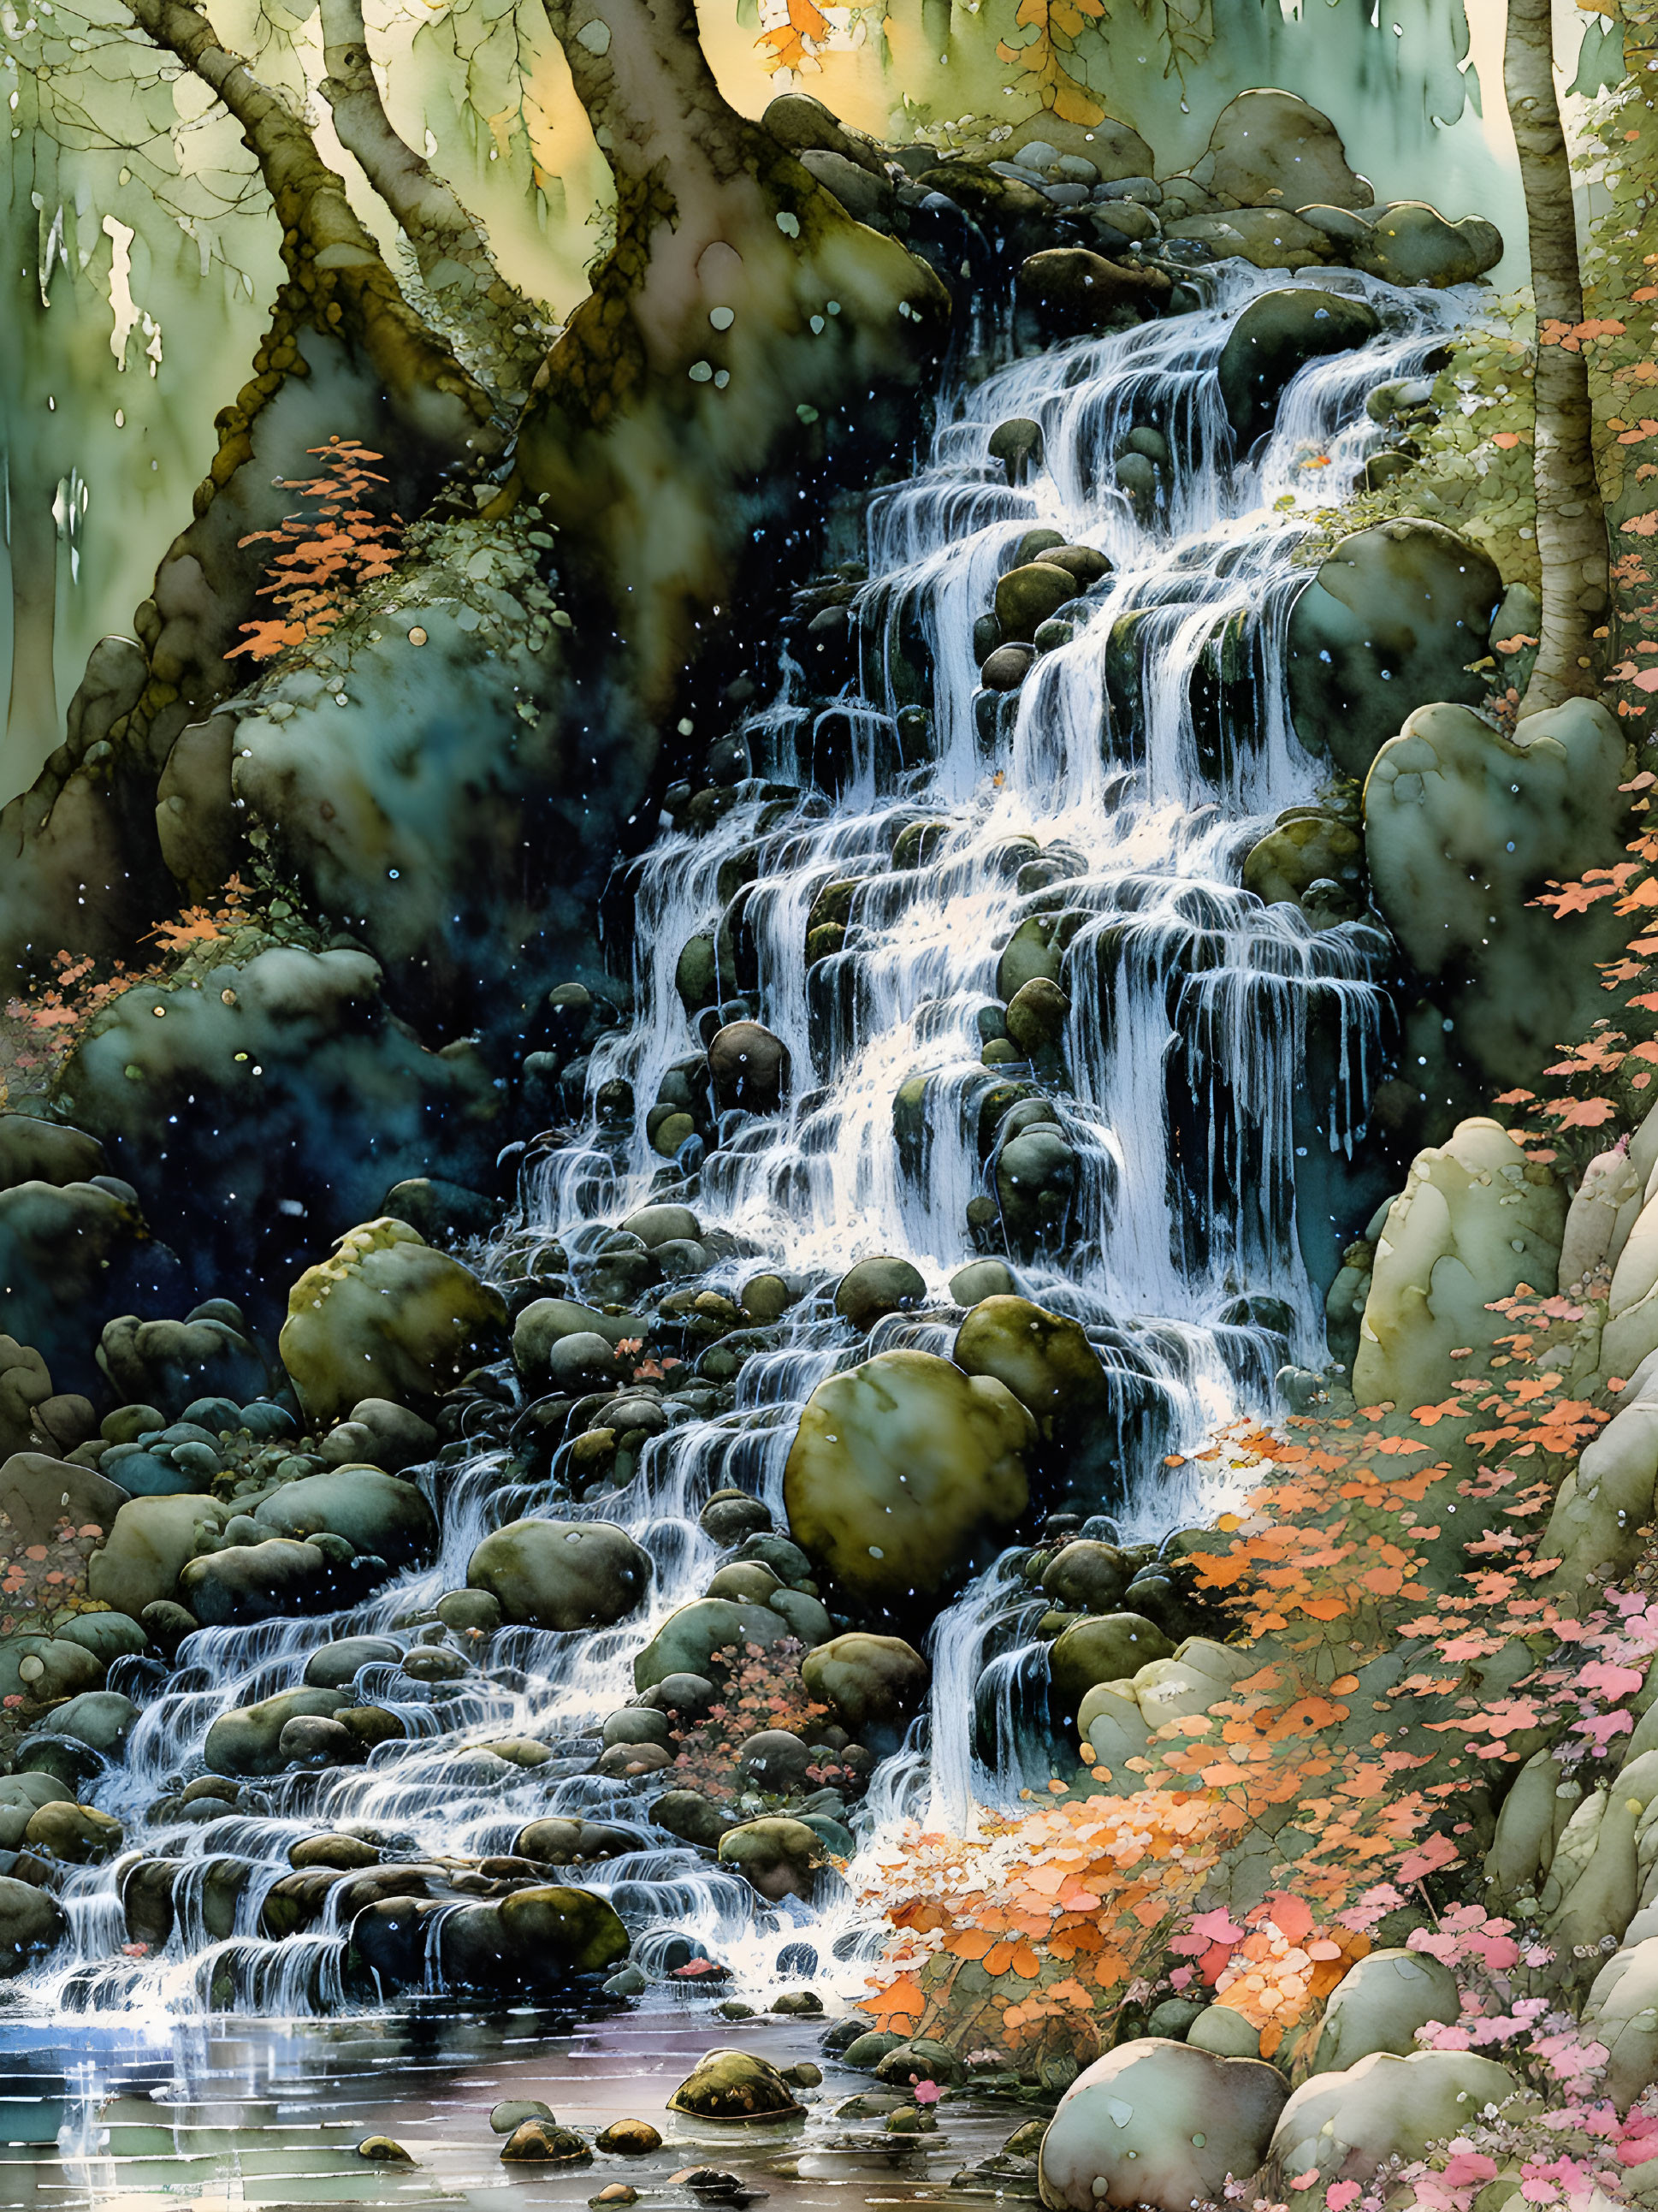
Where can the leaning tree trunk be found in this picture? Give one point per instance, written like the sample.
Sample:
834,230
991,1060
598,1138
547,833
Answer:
82,866
1571,530
450,249
742,321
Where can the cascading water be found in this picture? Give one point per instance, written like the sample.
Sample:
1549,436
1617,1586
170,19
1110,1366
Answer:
1104,798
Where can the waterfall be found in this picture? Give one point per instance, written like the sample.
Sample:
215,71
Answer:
1116,809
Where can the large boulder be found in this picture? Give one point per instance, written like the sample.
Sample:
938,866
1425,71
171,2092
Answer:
1073,290
153,1540
1157,2123
1276,336
38,1493
903,1473
1271,147
373,1511
874,1684
386,1316
246,1583
1475,1220
1343,2127
1411,243
1464,826
561,1574
1392,620
1046,1361
777,1857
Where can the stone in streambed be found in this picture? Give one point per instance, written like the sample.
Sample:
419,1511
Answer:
778,1857
1026,597
375,1512
734,2086
76,1833
628,2139
1157,2124
266,1581
748,1068
876,1287
1277,334
561,1840
903,1471
688,1639
336,1666
874,1684
1346,2126
515,2111
389,1310
561,1574
732,1515
151,1542
244,1741
541,2142
1073,289
1411,243
1048,1362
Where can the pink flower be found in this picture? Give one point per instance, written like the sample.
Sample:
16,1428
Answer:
927,2093
1341,2194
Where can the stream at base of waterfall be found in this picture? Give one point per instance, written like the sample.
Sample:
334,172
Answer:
1183,1051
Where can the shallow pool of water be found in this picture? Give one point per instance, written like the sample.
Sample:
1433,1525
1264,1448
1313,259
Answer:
271,2113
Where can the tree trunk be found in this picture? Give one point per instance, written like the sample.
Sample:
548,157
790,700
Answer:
1571,530
450,249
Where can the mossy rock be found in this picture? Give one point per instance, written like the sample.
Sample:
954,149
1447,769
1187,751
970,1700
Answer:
1392,621
903,1471
1104,1648
374,1511
561,1574
734,2086
777,1857
688,1639
389,1316
1277,334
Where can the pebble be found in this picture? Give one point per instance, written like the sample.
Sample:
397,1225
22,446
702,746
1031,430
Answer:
616,2192
630,2139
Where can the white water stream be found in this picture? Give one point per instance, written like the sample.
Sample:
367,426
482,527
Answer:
1184,989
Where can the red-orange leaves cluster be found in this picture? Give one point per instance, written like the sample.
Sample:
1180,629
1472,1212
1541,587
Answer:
323,557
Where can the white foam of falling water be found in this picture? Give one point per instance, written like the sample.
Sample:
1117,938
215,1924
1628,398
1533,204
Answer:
1186,994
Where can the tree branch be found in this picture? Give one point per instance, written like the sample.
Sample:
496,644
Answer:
1571,529
450,248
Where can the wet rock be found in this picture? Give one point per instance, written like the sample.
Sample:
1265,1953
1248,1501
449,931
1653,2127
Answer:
336,1665
745,1582
616,2192
1087,1577
1160,2125
1017,443
34,1151
78,1834
748,1068
375,1513
47,1668
36,1494
545,1324
561,1574
102,1719
1026,597
688,1639
1267,238
152,1542
1035,1183
246,1741
266,1581
656,1225
106,1636
398,1439
1389,624
1271,147
1343,2127
628,2139
1306,846
774,1760
902,1472
636,1725
878,1287
1030,952
1104,1648
1048,1362
1463,826
778,1857
865,2051
166,1625
389,1310
1007,668
344,1854
922,2059
561,1841
1072,290
692,1817
470,1612
982,1278
515,2111
1411,243
734,2085
540,2142
1036,1017
383,2149
732,1515
873,1684
31,1923
1277,334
